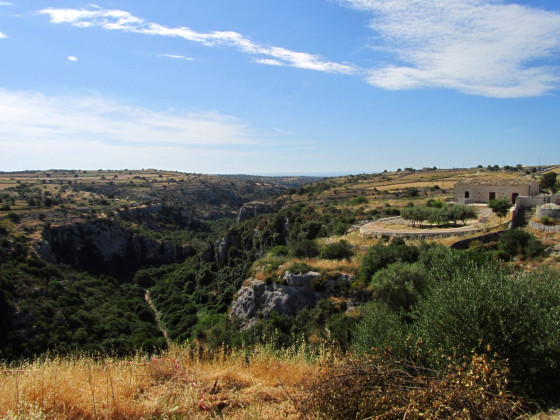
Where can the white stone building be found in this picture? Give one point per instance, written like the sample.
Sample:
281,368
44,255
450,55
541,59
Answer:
482,190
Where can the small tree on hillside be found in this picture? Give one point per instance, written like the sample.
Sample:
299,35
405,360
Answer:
550,183
500,207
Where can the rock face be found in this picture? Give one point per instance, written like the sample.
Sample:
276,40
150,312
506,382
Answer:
102,246
255,209
230,240
295,292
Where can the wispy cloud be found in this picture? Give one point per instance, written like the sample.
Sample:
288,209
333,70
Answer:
483,47
34,115
176,57
480,47
265,54
4,3
284,132
92,131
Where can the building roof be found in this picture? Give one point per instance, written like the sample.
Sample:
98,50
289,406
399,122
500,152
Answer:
496,181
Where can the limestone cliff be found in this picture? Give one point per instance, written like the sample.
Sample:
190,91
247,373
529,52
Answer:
288,297
255,209
102,246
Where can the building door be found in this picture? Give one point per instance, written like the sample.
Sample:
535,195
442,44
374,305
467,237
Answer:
492,196
514,197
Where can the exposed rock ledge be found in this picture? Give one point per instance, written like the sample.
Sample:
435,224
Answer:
255,209
102,246
295,292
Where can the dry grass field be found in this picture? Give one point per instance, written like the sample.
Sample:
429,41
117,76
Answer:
256,384
179,384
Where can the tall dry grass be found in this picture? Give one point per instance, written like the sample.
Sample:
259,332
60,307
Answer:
182,383
256,383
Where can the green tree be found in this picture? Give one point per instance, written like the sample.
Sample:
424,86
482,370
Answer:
549,182
500,207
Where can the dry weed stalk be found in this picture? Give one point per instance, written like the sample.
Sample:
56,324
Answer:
385,388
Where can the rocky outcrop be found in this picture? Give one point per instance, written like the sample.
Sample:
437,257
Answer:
289,296
102,246
231,240
140,212
255,209
154,214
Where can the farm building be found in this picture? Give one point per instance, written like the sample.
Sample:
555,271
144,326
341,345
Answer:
482,190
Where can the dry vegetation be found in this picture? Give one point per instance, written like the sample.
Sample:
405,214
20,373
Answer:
256,384
179,384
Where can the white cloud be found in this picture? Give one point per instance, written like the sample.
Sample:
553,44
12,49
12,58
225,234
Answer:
90,131
177,57
284,132
34,115
2,36
5,3
72,58
269,62
124,21
482,47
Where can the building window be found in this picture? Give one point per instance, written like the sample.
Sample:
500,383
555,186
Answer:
467,194
492,196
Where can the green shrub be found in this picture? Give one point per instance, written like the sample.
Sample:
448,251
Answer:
547,221
469,308
14,217
399,285
279,250
380,256
337,251
309,230
379,328
306,248
360,199
340,228
516,242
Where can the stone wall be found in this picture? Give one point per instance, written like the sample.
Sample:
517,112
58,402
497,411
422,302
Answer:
538,200
544,228
549,210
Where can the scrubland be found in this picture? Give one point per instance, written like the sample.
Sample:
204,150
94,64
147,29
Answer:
256,383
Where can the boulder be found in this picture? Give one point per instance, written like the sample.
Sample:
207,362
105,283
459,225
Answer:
289,296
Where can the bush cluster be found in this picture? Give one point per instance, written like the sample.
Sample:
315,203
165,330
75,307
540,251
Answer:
462,305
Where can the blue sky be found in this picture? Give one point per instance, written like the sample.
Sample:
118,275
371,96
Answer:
278,86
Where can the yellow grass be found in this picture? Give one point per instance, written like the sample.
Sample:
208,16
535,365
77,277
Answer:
344,266
178,384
